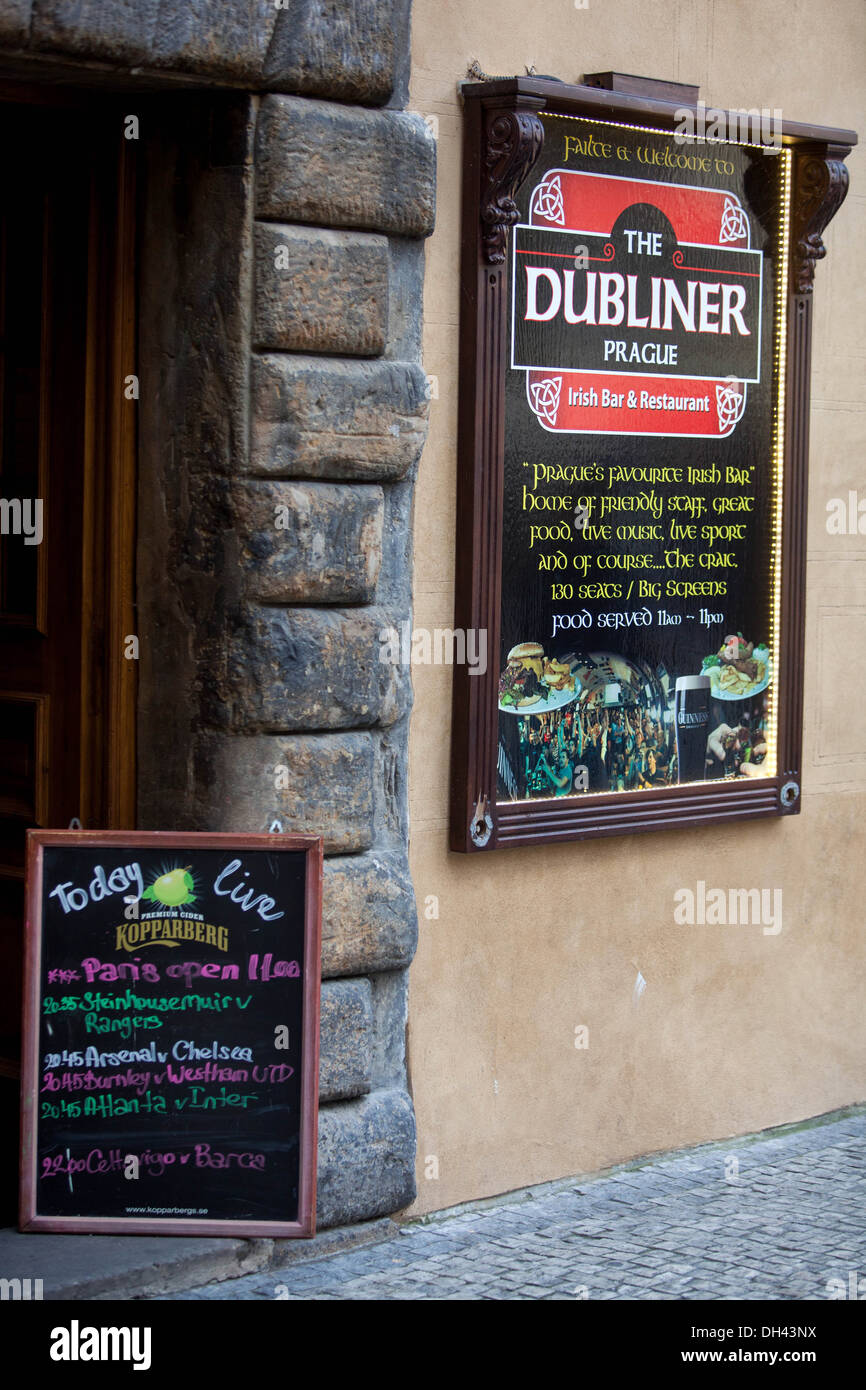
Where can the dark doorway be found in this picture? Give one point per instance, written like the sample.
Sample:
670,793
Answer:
67,484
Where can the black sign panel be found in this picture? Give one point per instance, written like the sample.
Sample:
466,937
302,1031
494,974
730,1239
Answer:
641,503
171,1033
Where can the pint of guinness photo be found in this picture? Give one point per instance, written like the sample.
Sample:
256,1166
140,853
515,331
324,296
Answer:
691,721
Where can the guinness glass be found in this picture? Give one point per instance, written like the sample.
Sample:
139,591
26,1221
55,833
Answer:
691,720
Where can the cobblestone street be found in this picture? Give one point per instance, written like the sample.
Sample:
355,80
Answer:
759,1218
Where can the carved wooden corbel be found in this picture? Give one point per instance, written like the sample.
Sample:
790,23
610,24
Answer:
820,185
512,142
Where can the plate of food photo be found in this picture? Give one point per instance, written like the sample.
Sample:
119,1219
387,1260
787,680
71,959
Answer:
531,681
738,670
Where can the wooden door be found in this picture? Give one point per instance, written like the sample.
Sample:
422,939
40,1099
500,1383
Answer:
67,487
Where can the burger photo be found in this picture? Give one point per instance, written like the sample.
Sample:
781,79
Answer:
520,683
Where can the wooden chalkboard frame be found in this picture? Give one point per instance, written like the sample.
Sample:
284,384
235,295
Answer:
311,846
503,137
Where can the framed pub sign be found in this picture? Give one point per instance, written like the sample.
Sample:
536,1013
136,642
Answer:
633,458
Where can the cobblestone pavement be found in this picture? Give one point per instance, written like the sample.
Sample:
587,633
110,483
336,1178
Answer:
765,1218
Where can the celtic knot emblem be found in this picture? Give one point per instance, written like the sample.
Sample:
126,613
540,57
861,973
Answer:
547,201
544,398
734,225
730,404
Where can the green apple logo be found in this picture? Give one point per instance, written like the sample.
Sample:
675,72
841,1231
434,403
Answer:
172,889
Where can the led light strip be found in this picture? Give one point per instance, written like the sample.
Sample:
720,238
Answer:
779,363
654,130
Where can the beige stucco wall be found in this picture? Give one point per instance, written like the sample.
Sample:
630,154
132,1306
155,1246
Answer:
735,1029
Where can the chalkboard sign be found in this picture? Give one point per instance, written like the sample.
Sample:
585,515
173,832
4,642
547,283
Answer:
171,1027
631,495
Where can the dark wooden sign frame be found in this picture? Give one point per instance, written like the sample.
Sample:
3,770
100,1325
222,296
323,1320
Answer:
311,847
503,137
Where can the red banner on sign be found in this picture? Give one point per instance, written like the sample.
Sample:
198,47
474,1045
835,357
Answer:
584,202
613,403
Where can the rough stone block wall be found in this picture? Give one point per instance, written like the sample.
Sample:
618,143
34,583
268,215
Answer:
348,50
337,392
282,416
